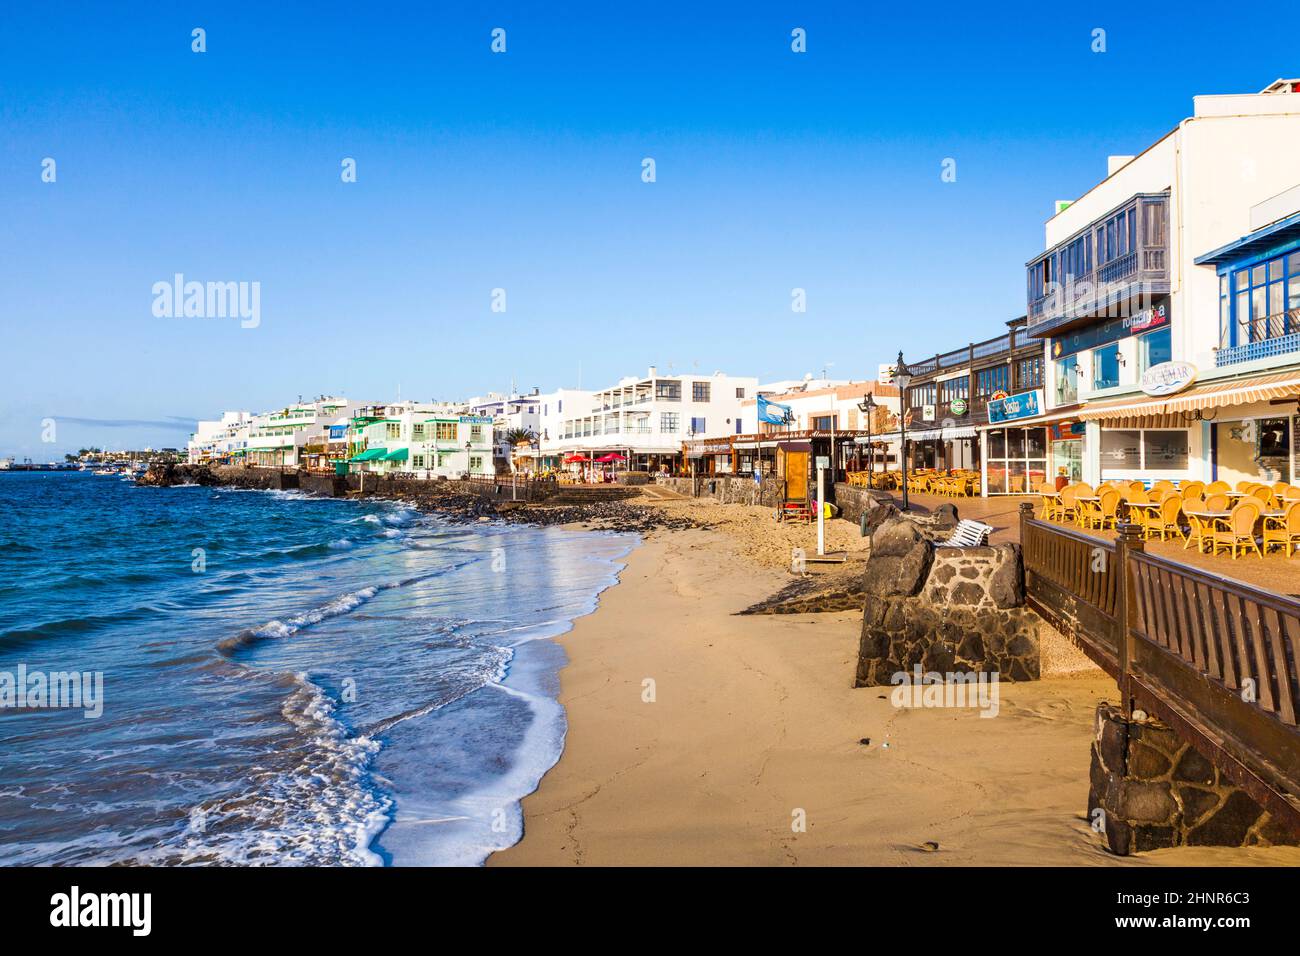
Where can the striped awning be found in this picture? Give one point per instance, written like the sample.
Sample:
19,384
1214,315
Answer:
1169,411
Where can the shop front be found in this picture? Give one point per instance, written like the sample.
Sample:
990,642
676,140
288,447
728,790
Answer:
1232,429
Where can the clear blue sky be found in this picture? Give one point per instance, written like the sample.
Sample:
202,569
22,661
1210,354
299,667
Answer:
522,171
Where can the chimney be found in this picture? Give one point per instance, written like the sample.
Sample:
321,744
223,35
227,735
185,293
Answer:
654,370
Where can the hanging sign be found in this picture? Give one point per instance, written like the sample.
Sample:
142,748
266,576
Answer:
958,406
1168,378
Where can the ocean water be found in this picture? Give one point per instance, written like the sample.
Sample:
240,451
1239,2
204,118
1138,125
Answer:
285,679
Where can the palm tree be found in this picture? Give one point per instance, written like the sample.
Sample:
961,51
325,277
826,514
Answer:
516,437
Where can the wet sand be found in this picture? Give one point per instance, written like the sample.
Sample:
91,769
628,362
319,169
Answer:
754,725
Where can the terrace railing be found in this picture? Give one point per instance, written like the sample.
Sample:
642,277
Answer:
1212,657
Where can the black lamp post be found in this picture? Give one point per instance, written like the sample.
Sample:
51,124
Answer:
902,377
868,406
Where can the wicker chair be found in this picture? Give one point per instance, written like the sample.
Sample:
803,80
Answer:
1236,533
1164,521
1284,531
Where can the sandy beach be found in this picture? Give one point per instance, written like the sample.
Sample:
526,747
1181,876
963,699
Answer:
753,726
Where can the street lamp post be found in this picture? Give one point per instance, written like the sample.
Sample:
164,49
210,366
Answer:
469,472
868,406
690,440
902,376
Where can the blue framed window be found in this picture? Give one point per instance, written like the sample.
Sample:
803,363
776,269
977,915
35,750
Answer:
697,425
1105,366
1154,348
1265,299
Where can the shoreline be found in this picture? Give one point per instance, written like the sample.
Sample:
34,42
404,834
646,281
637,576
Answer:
754,721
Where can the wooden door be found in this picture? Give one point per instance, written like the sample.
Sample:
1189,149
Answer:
796,475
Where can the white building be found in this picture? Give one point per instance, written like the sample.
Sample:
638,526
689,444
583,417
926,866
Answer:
1143,308
647,419
219,439
512,413
425,440
279,439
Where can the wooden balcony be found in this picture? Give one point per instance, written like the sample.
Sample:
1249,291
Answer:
1116,266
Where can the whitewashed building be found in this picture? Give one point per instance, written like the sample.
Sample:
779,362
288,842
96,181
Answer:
1166,299
646,419
425,440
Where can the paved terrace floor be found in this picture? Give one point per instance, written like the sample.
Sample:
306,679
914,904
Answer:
1274,573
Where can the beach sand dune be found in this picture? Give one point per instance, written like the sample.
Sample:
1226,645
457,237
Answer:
754,726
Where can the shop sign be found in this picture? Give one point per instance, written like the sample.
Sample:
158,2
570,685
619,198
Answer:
958,406
1067,432
1168,378
998,396
1111,330
928,413
475,420
1021,405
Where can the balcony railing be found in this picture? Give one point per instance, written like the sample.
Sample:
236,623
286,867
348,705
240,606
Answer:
1057,294
1265,337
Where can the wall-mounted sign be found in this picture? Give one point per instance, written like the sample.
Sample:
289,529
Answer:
1021,405
998,396
475,420
1111,330
958,406
1168,378
1066,431
1148,318
927,413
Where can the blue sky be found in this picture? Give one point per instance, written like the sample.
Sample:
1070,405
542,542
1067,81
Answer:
522,171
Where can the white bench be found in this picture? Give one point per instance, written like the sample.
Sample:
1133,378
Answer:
968,534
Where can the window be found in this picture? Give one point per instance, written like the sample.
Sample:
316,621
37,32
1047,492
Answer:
1029,373
953,389
990,380
824,423
1164,450
418,461
700,391
919,395
476,433
697,425
668,391
393,429
669,422
417,432
1017,460
1105,366
1262,300
1130,450
1154,348
740,393
1067,383
739,430
446,431
475,463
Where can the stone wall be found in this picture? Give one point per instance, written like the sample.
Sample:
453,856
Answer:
728,489
1154,790
950,610
853,501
